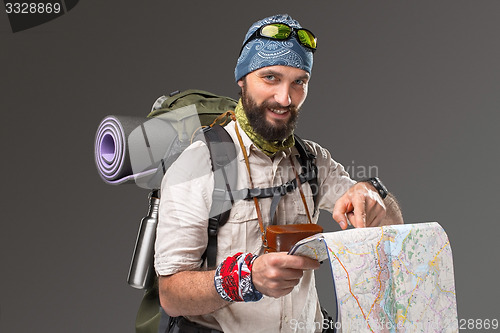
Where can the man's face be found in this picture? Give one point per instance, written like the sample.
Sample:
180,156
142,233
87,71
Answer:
272,97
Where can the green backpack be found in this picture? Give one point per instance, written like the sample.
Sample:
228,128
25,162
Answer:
173,122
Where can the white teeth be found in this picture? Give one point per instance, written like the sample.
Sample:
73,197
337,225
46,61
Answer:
278,111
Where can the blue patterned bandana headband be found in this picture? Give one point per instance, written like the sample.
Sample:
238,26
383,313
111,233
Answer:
263,52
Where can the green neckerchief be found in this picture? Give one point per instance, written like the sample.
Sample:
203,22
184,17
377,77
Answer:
268,147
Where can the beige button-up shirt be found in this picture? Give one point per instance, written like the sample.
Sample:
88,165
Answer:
186,198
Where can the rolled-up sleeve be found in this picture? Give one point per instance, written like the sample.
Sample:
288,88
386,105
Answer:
186,198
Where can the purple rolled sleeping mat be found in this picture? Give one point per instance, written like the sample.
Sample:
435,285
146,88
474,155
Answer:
134,150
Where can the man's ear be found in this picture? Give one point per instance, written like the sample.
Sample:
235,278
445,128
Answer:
241,83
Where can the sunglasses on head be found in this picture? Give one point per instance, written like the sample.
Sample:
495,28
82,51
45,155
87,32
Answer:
282,31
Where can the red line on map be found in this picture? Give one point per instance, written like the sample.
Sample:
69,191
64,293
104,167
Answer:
350,290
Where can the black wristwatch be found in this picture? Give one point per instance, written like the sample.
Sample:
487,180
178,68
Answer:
381,189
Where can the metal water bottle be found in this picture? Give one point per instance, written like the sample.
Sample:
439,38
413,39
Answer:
141,273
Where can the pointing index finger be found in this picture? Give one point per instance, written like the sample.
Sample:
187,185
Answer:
359,218
342,206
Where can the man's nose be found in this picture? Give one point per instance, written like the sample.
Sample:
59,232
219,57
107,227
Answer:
282,95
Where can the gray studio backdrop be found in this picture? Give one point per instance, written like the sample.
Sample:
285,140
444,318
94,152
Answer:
408,88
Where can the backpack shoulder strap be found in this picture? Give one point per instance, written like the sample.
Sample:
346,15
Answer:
223,157
309,168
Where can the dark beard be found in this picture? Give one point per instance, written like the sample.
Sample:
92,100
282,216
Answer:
256,115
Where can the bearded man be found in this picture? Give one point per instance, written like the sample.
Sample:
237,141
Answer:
273,71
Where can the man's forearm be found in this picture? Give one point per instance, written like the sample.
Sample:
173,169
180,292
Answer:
393,213
189,293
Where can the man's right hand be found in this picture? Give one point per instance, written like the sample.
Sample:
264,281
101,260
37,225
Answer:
276,274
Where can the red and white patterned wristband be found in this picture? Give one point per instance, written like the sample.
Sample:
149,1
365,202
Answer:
233,279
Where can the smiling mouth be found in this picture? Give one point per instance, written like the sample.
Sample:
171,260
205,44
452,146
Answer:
277,111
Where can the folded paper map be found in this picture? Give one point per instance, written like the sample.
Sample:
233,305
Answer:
389,279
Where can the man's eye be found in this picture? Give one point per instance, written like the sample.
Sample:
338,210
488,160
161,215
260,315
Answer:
270,77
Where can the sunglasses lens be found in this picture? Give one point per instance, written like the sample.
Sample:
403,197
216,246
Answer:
276,31
307,38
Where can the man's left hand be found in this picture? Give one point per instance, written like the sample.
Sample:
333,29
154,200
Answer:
361,205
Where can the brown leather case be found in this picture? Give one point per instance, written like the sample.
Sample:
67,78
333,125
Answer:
283,237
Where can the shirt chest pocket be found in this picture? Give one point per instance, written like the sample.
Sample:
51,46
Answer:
297,210
241,233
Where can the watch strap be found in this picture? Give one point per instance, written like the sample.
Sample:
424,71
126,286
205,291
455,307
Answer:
379,186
